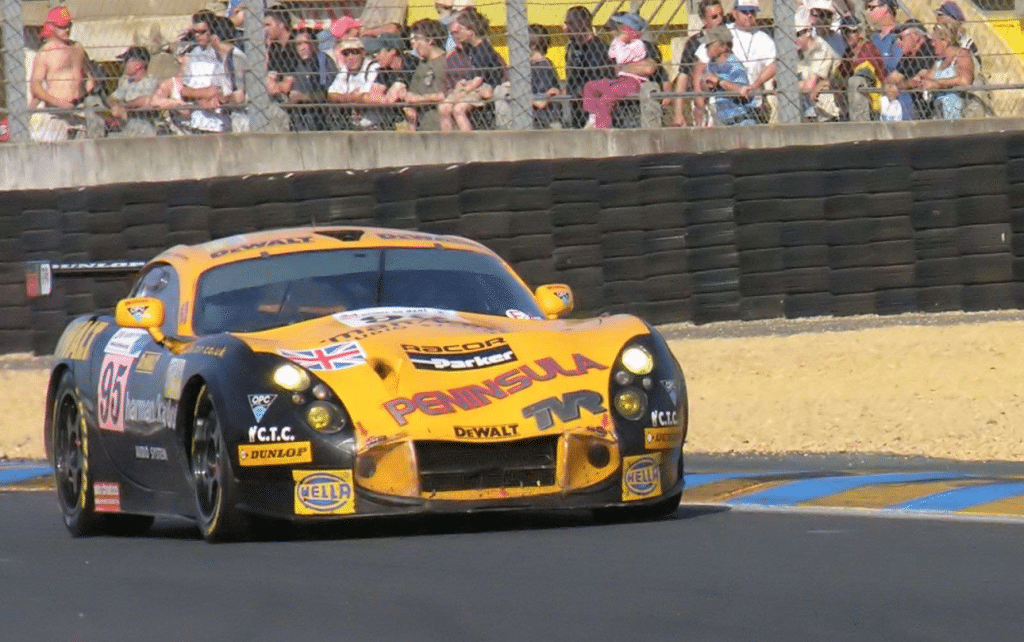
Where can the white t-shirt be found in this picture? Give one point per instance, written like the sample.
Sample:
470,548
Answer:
755,49
359,82
891,110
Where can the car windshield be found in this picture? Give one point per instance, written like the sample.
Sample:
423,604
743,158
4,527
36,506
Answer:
273,291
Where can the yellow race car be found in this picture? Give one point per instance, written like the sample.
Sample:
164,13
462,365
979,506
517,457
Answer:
338,372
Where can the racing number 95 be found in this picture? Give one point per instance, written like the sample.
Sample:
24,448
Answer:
110,398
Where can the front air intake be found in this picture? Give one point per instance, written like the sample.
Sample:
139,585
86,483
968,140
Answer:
451,466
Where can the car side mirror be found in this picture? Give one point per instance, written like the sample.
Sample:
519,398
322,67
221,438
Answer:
555,300
142,312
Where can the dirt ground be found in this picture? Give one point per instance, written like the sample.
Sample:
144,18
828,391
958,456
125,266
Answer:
951,391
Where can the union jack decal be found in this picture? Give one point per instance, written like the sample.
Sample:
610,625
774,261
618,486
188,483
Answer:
336,356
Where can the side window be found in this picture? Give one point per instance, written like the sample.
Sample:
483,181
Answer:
161,282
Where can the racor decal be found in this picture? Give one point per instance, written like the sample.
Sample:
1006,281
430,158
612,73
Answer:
442,402
641,477
259,404
323,492
338,356
502,431
566,409
297,452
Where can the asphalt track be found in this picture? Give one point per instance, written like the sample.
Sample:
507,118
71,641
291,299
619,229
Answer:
755,563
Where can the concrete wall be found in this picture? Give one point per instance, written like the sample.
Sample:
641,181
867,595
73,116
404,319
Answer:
106,161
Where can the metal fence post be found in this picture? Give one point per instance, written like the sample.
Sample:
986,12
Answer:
520,95
13,48
256,92
786,84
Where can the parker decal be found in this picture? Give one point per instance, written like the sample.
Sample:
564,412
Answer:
503,431
443,402
662,438
259,245
664,418
259,405
566,409
641,477
264,434
338,356
468,360
298,452
323,492
107,497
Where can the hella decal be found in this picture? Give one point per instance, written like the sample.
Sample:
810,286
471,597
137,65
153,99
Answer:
487,432
443,402
270,434
323,492
259,405
664,418
274,455
566,409
641,477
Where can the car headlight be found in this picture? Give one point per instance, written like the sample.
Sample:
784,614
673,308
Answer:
325,417
631,403
291,377
637,360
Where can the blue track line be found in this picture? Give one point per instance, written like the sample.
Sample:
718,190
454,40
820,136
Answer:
963,498
22,472
807,489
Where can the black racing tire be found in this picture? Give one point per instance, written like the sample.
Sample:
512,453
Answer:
213,479
70,443
660,509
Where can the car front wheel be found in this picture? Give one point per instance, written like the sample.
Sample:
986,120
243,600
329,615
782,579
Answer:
213,479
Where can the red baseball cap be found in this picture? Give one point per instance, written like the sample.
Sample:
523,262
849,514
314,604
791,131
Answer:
59,16
344,24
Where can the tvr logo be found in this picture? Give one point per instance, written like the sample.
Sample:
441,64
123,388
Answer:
566,409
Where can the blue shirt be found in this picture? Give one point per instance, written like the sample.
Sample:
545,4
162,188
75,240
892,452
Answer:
890,48
732,110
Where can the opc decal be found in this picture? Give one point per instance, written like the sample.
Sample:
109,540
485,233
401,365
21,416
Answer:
338,356
641,477
259,405
443,402
662,438
323,492
107,497
111,393
298,452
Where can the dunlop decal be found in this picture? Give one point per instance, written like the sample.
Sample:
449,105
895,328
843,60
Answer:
298,452
662,438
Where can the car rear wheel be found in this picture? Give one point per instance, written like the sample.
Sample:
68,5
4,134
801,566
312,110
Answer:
216,515
69,438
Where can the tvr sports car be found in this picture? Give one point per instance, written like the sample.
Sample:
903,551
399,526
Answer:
339,372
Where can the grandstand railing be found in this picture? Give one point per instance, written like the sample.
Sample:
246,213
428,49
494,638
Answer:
999,91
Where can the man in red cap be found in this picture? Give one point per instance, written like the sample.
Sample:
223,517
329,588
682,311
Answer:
61,80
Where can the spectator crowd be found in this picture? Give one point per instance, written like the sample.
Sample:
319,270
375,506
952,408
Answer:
444,74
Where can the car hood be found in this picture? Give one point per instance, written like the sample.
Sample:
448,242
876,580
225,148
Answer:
434,374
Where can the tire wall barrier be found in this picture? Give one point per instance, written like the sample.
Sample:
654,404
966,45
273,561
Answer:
880,227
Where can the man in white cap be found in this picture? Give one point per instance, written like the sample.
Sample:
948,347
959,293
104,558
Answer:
815,66
823,15
755,50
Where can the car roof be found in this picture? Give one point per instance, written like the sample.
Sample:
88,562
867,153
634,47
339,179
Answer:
304,239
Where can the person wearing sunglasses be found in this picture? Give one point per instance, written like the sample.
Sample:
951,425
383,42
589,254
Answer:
61,81
687,111
755,50
881,15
